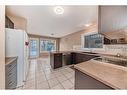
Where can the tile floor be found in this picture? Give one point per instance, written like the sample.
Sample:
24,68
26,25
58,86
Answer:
41,76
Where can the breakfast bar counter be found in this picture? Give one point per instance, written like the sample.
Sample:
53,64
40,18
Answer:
110,75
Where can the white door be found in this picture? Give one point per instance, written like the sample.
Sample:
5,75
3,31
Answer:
34,48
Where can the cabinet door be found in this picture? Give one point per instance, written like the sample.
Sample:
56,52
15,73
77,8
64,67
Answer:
83,57
80,58
57,60
73,58
84,81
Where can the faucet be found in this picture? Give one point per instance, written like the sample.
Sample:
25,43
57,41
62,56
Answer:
118,54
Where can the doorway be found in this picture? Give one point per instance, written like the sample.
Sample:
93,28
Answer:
34,47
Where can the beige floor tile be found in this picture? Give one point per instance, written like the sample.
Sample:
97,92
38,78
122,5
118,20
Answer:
29,87
70,70
19,88
67,84
42,85
30,78
41,76
73,88
64,72
53,82
40,79
29,84
39,70
30,81
58,74
61,78
72,79
68,75
50,76
73,73
58,87
31,73
47,71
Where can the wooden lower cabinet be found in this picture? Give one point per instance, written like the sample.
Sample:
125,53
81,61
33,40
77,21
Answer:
59,59
73,58
84,81
56,60
80,57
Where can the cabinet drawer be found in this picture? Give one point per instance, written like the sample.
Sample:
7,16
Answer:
10,66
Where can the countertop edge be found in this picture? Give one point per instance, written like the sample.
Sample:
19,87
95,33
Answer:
80,68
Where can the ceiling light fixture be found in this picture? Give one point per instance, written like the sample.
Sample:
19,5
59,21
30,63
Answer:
58,10
87,25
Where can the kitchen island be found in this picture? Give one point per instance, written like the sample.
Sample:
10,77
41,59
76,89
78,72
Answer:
100,75
61,58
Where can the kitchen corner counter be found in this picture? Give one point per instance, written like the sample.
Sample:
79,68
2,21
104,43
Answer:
9,60
109,74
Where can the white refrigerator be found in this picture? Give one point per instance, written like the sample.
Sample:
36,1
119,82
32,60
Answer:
16,44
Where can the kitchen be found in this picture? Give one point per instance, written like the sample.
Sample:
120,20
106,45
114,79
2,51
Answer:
95,54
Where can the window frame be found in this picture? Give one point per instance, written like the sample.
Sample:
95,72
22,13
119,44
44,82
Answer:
41,39
83,41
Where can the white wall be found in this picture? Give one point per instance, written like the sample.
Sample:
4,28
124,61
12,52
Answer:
73,41
2,47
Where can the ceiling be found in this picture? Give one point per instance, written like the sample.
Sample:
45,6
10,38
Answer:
42,20
113,18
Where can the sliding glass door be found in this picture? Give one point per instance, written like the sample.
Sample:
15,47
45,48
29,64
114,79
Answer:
34,47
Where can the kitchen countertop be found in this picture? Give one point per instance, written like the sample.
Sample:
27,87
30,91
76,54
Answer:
92,53
112,75
9,60
61,51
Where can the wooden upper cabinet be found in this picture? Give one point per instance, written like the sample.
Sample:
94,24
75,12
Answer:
9,23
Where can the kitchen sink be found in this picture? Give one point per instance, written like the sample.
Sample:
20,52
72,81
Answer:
89,52
112,61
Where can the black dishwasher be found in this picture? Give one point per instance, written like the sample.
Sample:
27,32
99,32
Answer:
66,59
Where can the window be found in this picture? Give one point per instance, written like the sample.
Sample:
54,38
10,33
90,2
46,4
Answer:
93,41
47,45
